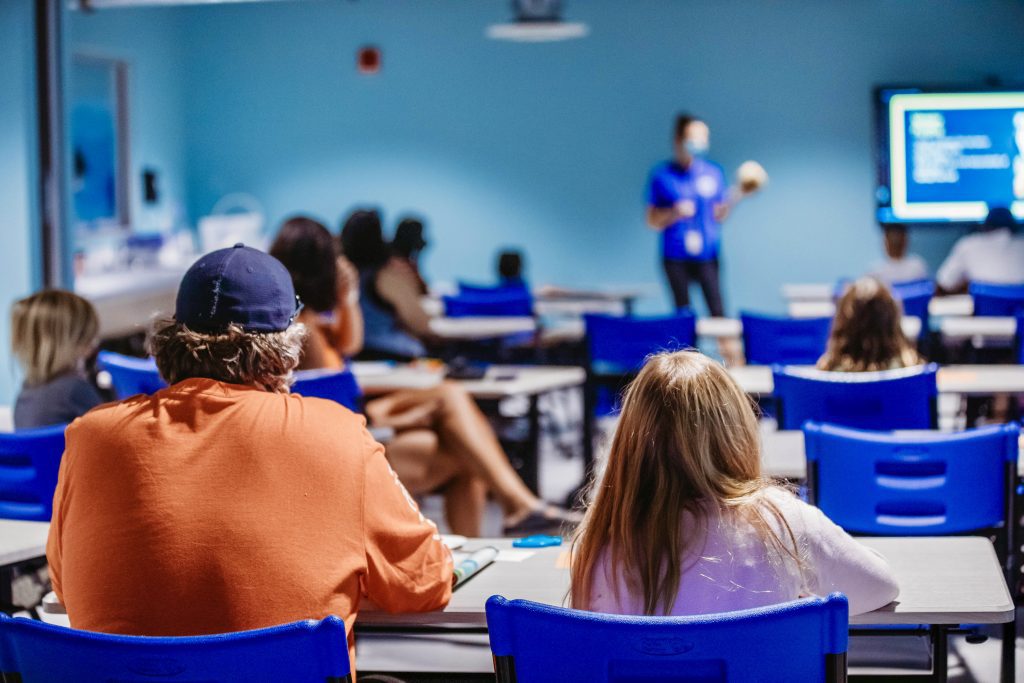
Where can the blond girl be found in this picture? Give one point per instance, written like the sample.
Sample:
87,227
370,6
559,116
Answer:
52,333
684,522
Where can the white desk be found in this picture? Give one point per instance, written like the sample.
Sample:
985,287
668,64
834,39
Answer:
22,541
558,301
126,302
943,580
977,380
808,291
478,328
501,381
939,307
981,329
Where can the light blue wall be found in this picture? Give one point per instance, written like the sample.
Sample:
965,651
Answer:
547,146
149,42
19,257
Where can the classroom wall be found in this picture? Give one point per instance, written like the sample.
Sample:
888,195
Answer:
149,42
19,258
547,146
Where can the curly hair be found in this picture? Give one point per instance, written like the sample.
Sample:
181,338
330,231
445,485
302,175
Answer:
261,359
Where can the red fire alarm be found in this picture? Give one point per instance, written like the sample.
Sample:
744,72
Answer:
368,60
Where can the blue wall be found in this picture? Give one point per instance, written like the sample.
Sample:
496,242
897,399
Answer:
19,257
547,146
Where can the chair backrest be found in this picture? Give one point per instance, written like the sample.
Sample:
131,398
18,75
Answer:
511,303
921,483
302,652
997,300
518,287
891,399
334,385
1020,337
805,640
29,462
915,295
798,341
130,376
621,344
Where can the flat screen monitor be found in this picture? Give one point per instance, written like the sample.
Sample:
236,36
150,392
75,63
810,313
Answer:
947,156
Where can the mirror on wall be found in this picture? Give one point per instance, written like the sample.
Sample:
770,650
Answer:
99,144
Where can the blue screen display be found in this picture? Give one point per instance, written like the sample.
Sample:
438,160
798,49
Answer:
952,156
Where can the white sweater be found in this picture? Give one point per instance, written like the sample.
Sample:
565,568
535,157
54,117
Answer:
729,567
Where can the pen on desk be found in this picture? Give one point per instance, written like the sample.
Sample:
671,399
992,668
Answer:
474,563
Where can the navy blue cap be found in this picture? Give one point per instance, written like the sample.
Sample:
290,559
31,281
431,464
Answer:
239,285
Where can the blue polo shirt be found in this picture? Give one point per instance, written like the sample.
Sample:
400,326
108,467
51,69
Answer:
695,238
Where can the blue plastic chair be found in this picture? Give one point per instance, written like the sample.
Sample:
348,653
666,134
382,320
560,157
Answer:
620,345
129,375
916,296
301,652
29,462
923,483
339,386
997,300
796,341
510,303
510,287
891,399
1020,337
805,641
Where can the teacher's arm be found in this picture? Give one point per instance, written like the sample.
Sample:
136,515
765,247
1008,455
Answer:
659,218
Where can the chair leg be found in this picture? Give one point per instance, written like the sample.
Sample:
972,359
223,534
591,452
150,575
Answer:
505,669
836,668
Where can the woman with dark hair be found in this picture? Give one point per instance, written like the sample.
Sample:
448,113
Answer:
867,333
442,439
396,325
407,245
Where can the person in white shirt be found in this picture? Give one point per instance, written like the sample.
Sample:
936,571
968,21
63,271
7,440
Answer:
898,265
993,254
684,521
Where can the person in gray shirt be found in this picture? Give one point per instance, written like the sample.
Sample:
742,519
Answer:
52,333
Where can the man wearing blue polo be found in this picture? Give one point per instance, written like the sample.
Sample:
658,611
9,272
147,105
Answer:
687,201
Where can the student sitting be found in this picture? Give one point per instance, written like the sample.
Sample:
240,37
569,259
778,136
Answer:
867,333
898,265
396,326
52,333
443,440
684,522
992,254
223,503
407,244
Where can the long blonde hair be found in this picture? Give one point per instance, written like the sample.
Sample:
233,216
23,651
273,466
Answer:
51,331
687,440
867,332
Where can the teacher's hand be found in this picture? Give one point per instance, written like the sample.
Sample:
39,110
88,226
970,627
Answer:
686,208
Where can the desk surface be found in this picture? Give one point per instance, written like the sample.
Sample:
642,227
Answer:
501,381
22,541
476,328
943,580
979,380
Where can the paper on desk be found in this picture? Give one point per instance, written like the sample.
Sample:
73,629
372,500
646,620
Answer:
514,555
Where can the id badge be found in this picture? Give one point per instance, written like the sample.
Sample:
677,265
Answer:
693,240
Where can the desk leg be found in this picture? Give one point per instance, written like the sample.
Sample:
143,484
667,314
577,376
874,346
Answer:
1009,664
531,463
6,598
940,653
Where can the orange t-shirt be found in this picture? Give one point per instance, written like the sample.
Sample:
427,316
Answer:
212,507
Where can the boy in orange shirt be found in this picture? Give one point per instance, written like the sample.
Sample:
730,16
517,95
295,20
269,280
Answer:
223,503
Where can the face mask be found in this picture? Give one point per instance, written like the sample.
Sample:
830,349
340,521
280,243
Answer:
697,147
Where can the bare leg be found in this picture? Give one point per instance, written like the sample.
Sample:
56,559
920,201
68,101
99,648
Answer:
465,499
